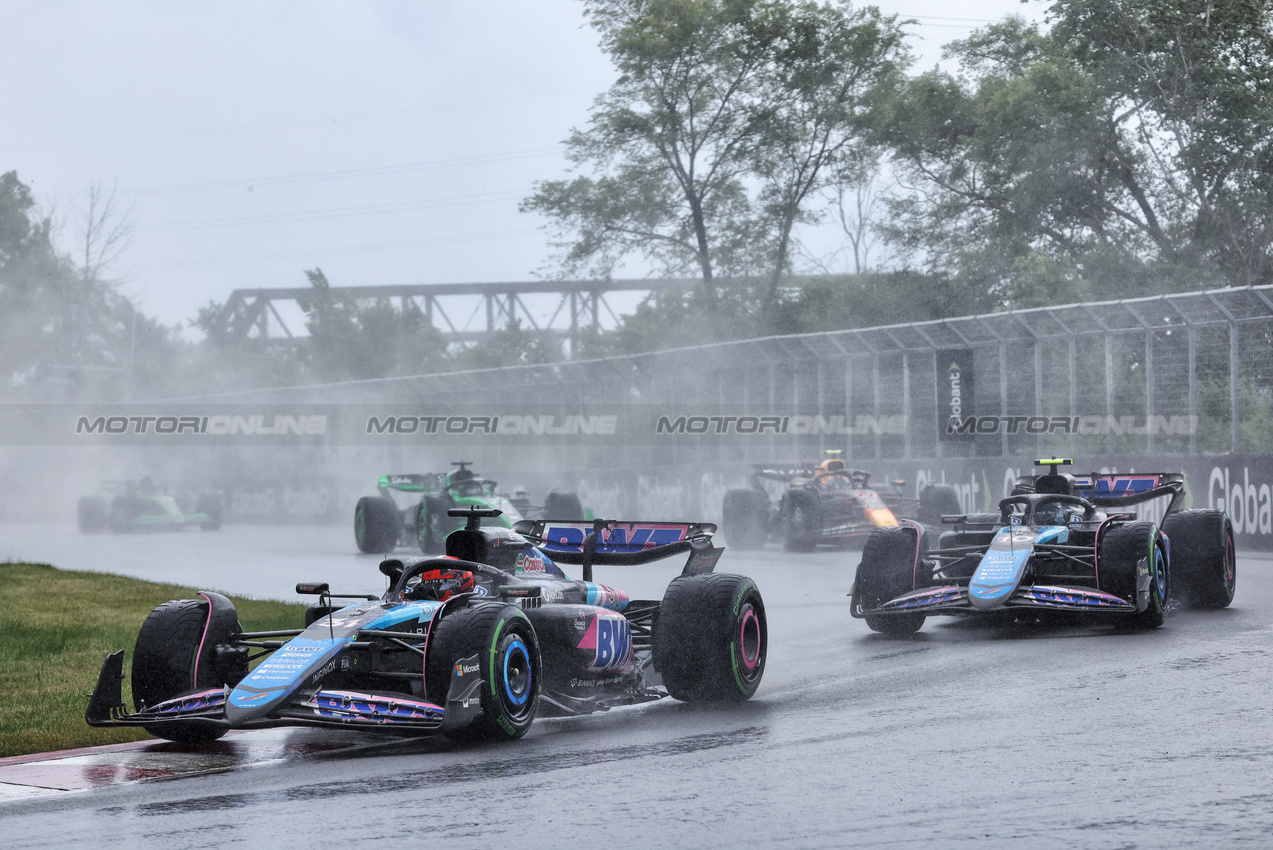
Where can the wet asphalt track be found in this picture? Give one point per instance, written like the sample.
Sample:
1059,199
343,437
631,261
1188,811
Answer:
1025,736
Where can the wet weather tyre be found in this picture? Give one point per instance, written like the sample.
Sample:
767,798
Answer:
91,514
508,654
894,561
1203,559
175,654
431,525
209,505
745,518
936,501
1120,553
563,506
801,521
711,638
376,524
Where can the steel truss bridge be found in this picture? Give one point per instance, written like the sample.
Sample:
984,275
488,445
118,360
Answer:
464,312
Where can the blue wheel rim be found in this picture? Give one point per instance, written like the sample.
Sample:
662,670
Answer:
517,680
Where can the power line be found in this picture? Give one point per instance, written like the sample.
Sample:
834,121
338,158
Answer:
339,212
315,253
315,176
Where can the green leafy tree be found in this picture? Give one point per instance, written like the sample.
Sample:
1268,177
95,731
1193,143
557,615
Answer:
727,119
353,338
68,332
1123,151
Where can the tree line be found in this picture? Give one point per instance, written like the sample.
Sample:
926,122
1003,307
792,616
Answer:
1118,148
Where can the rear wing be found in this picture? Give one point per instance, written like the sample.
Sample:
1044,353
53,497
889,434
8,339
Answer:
784,473
1112,491
411,482
1115,491
618,543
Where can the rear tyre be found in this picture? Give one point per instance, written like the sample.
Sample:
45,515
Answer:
176,654
91,513
376,524
936,501
508,651
894,561
801,521
209,504
711,638
563,505
745,518
431,525
1203,558
1121,553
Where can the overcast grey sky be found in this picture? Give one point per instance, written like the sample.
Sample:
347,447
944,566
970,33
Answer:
387,142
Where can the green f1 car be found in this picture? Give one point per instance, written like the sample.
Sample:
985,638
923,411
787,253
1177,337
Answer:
142,505
382,523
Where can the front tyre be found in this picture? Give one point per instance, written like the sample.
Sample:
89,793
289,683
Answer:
177,653
801,521
1132,565
1204,569
376,524
431,525
507,648
711,638
894,561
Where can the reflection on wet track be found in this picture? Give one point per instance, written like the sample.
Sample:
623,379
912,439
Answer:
995,734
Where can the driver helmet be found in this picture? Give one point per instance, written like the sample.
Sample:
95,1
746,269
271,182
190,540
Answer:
439,585
1054,513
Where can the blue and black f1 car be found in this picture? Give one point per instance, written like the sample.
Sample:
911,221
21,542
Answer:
474,644
1060,544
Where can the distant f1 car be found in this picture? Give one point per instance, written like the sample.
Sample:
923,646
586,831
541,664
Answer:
473,645
143,505
823,503
1060,544
381,525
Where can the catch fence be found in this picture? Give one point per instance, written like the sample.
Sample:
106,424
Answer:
1181,374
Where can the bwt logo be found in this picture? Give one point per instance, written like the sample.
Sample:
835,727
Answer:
617,538
610,638
1249,505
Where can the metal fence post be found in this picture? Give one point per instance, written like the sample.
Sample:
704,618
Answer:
1149,391
1191,335
1003,395
1109,390
875,398
1235,431
906,404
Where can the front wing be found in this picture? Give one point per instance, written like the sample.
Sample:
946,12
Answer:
953,599
390,712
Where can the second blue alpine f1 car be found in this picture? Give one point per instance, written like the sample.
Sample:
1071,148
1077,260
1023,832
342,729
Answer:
1061,544
474,645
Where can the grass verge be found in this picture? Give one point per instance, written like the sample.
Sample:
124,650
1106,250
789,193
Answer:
56,629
